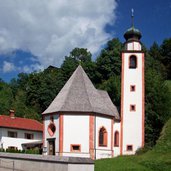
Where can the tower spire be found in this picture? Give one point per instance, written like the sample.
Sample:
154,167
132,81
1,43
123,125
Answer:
132,16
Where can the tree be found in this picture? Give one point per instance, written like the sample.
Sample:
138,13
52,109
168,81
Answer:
113,87
166,56
77,56
6,97
109,61
157,105
80,54
157,64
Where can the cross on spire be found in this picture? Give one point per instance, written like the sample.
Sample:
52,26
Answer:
132,16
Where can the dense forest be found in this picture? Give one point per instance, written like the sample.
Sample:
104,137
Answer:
30,94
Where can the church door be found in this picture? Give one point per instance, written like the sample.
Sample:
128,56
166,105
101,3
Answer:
51,147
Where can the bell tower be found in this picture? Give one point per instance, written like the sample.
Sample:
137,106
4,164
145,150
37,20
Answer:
132,92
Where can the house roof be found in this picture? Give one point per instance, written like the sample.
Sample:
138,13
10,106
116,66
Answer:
20,123
80,95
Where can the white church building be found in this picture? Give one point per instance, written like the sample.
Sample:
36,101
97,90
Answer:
83,122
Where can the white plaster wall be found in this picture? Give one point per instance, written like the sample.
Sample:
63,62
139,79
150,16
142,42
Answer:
72,154
103,152
76,131
132,121
116,127
56,134
17,142
134,46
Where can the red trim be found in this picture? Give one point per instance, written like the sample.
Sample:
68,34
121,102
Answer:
49,129
116,139
112,123
135,61
122,104
91,136
61,134
143,101
132,108
127,147
76,151
105,137
132,88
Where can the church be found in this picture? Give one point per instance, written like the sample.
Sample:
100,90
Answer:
82,121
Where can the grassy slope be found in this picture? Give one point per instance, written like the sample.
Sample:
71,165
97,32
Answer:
157,159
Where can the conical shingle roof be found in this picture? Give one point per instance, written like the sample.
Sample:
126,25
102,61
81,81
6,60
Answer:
80,95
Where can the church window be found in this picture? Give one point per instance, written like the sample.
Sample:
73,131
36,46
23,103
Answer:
133,62
116,139
102,137
129,148
75,147
132,88
132,108
51,129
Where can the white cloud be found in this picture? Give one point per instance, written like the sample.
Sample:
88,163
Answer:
50,29
8,67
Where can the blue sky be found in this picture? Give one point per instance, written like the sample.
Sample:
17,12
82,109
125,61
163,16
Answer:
35,34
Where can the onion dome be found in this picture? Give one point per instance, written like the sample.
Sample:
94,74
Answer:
132,34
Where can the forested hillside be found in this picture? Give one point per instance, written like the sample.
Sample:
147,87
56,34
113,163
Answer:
30,94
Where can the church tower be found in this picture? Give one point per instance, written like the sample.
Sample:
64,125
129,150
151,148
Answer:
132,93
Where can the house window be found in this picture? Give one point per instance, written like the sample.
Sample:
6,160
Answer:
132,88
12,148
132,108
12,134
51,129
75,147
29,136
116,139
133,62
129,148
102,137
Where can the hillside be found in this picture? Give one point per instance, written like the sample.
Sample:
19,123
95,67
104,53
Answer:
157,159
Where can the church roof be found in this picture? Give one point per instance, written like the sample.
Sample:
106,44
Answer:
80,95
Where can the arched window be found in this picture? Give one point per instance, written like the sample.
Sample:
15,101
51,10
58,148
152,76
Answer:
133,62
116,139
102,137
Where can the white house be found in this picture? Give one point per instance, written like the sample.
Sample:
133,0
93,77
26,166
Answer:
82,121
19,133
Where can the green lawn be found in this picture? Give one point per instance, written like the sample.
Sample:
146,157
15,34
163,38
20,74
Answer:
157,159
